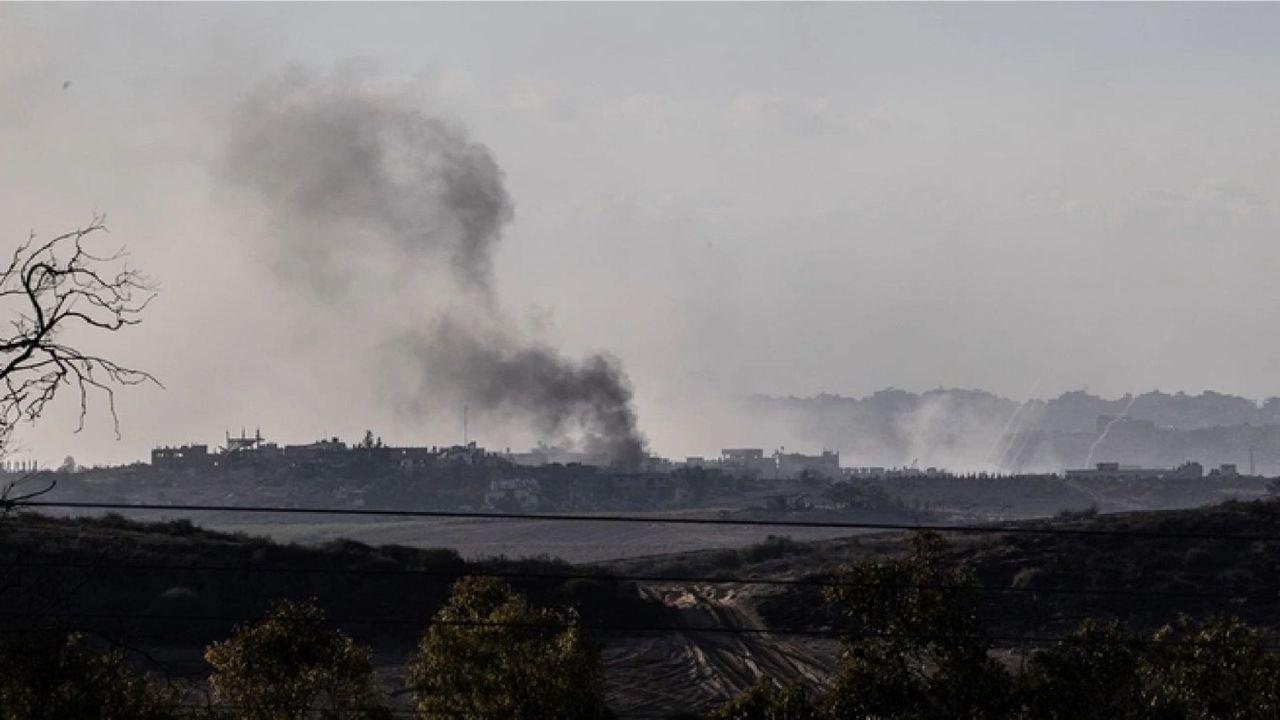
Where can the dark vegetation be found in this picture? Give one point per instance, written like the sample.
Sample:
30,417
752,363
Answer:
915,646
356,478
196,584
48,672
1042,583
767,557
488,653
493,654
113,565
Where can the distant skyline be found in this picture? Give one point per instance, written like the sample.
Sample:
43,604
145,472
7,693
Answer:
730,199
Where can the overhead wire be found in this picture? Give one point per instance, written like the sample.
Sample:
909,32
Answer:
995,529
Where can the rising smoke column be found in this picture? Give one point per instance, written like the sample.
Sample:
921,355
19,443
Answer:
493,371
351,175
343,168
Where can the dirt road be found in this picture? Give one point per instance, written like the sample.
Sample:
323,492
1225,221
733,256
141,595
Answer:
695,671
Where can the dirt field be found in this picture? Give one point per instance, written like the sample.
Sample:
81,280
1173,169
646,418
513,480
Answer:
569,540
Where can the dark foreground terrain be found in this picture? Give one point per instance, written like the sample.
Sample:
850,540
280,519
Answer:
669,625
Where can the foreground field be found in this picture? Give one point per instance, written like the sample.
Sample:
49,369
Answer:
683,630
578,542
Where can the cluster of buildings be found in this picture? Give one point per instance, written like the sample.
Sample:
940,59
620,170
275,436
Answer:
780,465
1117,471
248,450
783,465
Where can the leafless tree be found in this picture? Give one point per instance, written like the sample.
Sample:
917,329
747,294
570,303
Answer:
53,289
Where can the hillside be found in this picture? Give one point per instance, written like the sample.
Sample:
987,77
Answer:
169,588
1043,584
176,584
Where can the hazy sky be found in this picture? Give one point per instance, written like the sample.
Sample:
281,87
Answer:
728,198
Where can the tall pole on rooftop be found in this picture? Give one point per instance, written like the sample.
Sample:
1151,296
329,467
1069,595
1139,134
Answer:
466,412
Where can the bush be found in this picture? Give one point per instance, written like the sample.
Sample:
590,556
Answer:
51,674
489,654
290,666
766,700
1026,577
774,547
1081,514
1092,674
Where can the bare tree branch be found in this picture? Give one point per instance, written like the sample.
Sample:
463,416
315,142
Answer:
10,499
52,287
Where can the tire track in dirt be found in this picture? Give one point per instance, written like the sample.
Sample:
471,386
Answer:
692,671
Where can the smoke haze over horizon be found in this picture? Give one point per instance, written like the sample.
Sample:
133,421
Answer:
724,200
978,431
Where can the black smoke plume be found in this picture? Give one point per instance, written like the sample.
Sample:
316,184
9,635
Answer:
347,173
558,395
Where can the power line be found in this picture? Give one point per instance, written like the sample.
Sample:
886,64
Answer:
666,520
1273,595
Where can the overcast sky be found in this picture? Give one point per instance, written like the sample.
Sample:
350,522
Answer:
730,199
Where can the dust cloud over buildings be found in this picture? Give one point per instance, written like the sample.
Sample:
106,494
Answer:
974,430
